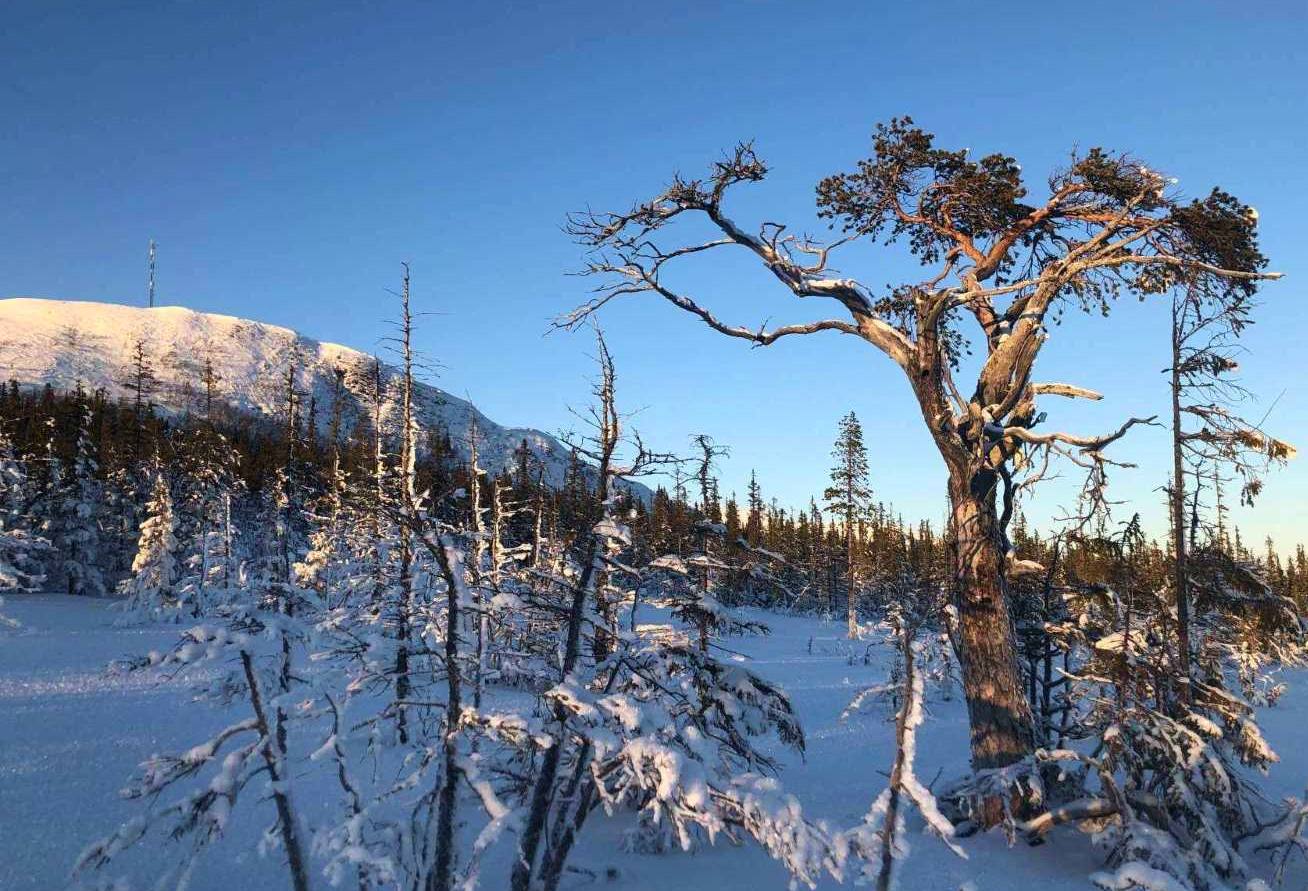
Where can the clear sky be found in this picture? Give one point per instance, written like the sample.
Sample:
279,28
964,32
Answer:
287,156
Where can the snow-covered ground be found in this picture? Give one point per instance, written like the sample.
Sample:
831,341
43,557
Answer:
71,734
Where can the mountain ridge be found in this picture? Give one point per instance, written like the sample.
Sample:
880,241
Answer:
64,342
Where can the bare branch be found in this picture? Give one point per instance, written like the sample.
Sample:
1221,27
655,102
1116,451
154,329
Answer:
1084,443
1068,390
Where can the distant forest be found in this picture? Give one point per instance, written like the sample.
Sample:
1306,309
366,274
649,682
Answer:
70,442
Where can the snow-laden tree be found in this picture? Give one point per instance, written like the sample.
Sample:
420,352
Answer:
371,490
21,549
257,643
999,264
151,591
209,494
694,587
880,843
1166,759
651,722
324,566
242,765
120,515
75,501
1209,438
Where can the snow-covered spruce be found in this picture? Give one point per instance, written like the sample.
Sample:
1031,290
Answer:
151,592
74,504
22,550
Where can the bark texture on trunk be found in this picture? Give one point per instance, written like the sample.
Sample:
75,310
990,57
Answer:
1002,725
1003,731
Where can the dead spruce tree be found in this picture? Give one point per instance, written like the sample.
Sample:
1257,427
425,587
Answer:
246,652
404,595
998,264
698,588
530,868
650,723
1208,437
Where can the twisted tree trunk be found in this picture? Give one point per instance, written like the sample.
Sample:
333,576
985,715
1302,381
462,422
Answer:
1000,717
1003,731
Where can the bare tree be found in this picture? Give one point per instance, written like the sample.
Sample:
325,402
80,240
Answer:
142,382
555,815
407,500
995,261
1207,434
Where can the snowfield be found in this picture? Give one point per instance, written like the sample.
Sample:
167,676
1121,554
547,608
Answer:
71,734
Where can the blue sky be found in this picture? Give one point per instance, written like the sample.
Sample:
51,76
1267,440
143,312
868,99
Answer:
288,156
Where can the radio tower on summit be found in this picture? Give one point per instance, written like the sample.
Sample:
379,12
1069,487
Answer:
150,285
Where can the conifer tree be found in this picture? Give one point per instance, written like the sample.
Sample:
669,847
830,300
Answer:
325,567
150,590
142,382
997,267
1207,434
847,498
211,487
754,519
76,529
21,549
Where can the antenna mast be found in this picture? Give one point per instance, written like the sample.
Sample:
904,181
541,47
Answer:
150,286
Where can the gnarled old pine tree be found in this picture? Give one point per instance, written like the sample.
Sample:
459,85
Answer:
998,263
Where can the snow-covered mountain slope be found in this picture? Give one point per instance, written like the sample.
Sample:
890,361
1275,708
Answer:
62,342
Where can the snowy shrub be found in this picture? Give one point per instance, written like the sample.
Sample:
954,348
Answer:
252,649
880,841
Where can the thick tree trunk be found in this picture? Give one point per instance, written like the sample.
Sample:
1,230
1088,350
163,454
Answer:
1003,731
1000,718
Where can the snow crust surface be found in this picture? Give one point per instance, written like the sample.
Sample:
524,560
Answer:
71,734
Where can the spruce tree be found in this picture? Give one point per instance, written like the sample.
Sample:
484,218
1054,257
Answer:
151,589
142,382
76,514
848,498
754,520
20,547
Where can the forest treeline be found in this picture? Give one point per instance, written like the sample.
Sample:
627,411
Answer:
86,462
